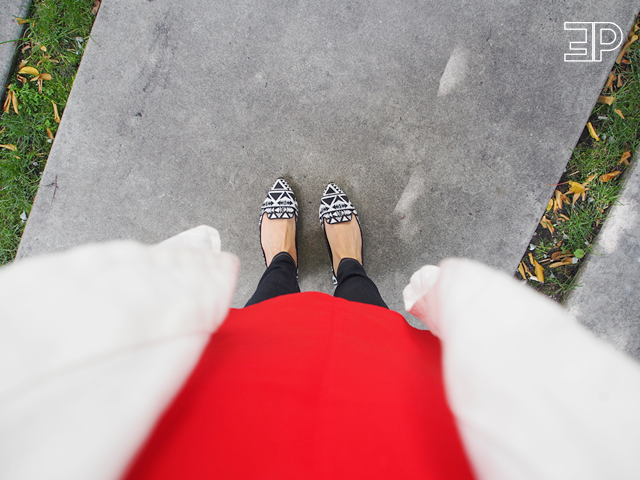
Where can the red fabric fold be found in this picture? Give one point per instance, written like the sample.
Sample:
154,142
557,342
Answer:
310,386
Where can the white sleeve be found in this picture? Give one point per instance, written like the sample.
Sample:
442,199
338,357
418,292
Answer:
535,395
95,342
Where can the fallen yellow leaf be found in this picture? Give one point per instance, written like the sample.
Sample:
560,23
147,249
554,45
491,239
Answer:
566,261
56,117
625,48
14,101
10,146
557,255
575,187
619,112
21,21
539,271
559,200
609,176
526,269
96,7
546,223
49,133
550,205
564,217
21,78
590,179
29,71
619,81
43,48
521,270
607,100
45,76
592,132
625,158
609,84
7,102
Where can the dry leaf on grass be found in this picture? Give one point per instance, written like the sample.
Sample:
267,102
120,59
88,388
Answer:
550,205
521,270
592,132
619,81
21,21
609,176
40,79
607,100
625,48
565,261
9,146
546,223
625,158
14,102
29,71
526,269
577,189
10,101
619,112
537,267
559,200
609,84
96,7
49,133
56,116
563,217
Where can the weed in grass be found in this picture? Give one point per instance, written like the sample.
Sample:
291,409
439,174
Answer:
575,224
53,43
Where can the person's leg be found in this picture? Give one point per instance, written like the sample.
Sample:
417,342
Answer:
280,278
354,285
278,242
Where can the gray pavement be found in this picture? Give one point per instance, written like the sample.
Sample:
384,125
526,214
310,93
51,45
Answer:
608,298
9,30
444,122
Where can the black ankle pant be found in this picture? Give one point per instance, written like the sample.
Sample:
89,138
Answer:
353,284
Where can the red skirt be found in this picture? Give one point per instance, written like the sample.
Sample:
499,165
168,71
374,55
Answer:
310,386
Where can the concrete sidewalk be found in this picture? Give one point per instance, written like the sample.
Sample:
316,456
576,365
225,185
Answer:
445,125
607,299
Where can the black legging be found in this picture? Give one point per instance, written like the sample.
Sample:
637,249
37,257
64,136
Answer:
353,284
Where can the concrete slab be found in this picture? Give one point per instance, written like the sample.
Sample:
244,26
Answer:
608,298
9,30
445,123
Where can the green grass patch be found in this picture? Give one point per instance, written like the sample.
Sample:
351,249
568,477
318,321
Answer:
53,42
571,227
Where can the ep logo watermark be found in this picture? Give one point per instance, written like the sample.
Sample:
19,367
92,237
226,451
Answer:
596,37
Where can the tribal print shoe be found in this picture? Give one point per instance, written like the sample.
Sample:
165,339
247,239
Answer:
280,204
335,207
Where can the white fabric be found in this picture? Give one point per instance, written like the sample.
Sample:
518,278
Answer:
87,367
535,394
95,342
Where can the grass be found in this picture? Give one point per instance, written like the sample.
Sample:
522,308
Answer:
53,43
571,227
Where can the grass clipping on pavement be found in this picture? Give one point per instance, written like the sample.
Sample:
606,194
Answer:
49,54
591,182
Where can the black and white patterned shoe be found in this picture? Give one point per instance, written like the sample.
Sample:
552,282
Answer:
335,207
280,203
